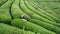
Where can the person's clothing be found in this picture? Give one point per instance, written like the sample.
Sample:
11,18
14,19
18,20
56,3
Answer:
23,19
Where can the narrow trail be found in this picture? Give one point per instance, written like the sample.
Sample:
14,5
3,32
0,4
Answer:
10,10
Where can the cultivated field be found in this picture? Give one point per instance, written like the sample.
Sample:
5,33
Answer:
41,17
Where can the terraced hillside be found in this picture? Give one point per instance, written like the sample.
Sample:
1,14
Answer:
41,16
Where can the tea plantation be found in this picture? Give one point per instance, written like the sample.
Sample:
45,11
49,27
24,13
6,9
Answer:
41,17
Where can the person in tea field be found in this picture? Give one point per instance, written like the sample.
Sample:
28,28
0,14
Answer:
23,16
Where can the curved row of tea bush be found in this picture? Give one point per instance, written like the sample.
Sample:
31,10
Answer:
30,26
7,29
38,21
2,2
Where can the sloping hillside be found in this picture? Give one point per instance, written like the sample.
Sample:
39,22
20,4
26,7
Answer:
29,16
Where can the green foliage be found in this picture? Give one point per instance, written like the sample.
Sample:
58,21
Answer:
40,13
42,16
30,26
16,11
34,15
46,25
44,9
7,29
4,12
2,2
